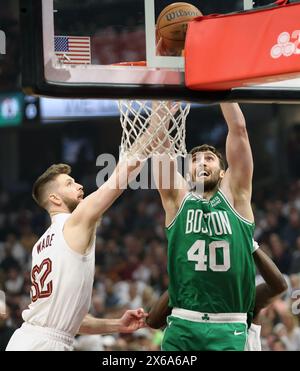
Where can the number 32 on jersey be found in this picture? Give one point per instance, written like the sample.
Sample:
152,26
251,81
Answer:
39,275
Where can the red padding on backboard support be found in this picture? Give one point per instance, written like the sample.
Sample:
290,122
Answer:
227,51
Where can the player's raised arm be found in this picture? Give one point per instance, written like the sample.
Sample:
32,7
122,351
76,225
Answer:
79,228
238,151
237,182
169,182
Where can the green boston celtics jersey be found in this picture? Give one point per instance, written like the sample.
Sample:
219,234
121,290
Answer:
210,262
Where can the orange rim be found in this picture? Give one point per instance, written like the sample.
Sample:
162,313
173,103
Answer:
131,64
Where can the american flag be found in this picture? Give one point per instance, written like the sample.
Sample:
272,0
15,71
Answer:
73,49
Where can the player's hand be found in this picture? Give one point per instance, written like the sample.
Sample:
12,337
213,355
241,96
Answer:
132,320
163,50
162,110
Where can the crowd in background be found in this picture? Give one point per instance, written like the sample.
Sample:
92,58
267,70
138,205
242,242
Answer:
131,260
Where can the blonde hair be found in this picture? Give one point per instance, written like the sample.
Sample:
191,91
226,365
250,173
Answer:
42,181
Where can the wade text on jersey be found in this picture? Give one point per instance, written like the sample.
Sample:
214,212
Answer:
46,242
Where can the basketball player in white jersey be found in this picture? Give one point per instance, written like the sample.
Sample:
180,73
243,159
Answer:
63,262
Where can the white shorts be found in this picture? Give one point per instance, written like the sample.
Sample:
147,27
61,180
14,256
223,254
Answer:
36,338
253,340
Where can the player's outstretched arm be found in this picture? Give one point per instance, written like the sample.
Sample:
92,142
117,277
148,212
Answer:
274,285
170,184
93,206
131,321
238,150
90,210
158,314
238,177
80,227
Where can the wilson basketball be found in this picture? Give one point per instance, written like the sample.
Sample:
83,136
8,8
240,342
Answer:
172,24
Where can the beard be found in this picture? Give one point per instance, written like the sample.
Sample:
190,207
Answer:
211,184
208,185
71,204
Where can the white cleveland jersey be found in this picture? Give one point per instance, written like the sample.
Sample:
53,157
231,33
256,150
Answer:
62,281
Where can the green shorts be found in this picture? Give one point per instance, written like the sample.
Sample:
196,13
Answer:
185,335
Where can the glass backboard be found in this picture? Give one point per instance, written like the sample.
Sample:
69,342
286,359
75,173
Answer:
89,44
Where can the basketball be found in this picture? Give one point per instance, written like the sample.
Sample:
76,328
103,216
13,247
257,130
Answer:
172,24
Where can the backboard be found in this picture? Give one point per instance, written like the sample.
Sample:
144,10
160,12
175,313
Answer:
82,49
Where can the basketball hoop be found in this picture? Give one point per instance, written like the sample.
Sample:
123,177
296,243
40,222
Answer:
152,127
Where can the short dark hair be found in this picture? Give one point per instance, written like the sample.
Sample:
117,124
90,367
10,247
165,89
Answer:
207,147
49,175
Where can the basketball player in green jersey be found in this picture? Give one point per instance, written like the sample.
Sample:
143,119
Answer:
210,241
266,293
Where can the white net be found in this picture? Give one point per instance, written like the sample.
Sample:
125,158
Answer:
153,127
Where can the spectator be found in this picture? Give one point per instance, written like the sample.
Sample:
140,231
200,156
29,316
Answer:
6,331
281,255
295,264
292,230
